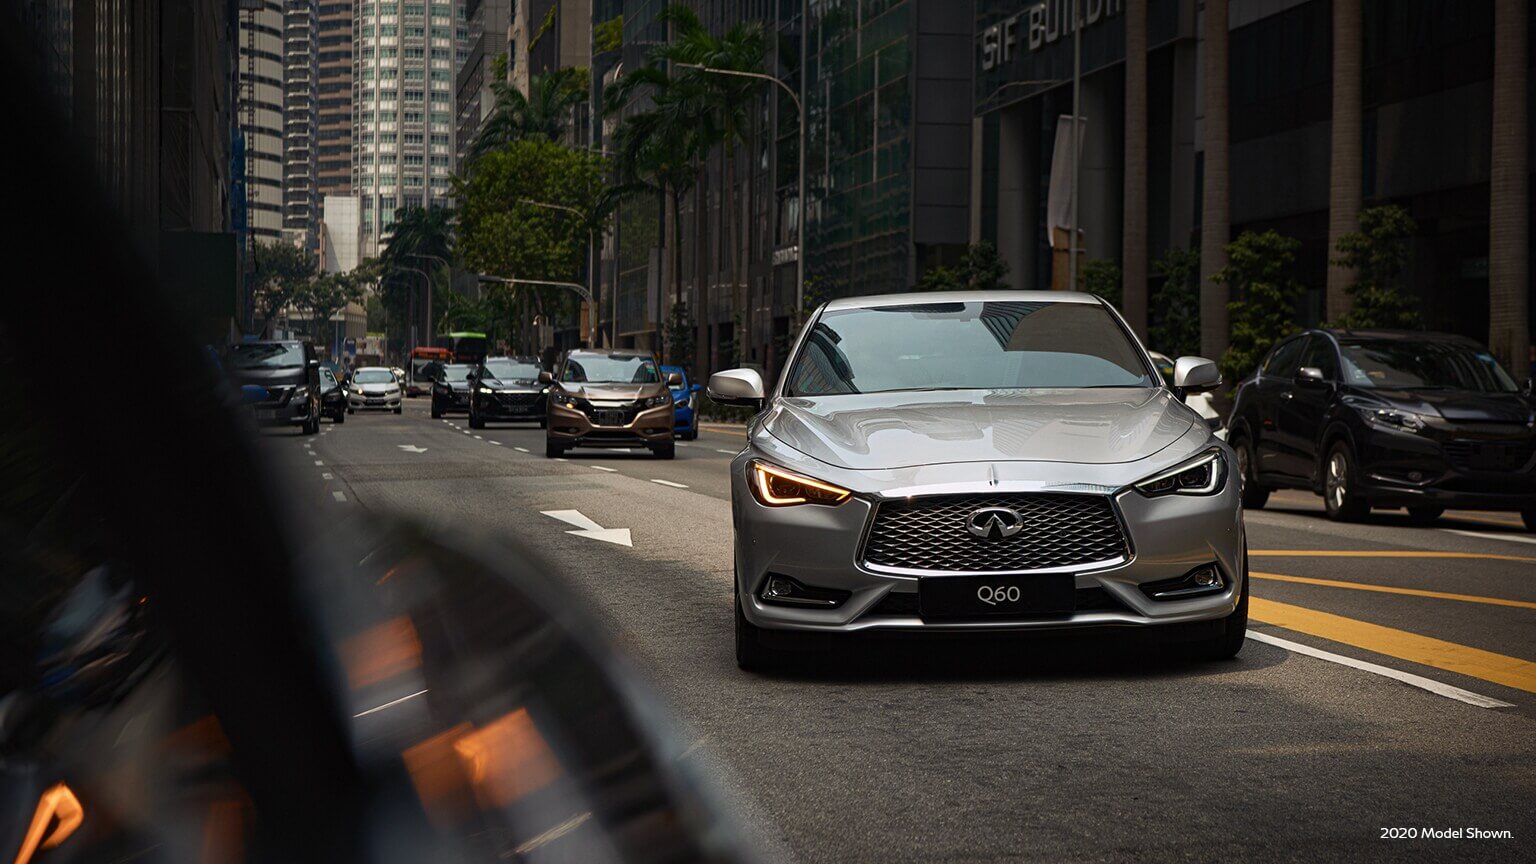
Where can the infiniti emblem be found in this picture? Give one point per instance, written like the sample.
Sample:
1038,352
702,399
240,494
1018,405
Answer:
994,523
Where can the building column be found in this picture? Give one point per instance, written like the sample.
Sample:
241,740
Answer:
1017,143
1509,255
1215,217
1345,157
1133,253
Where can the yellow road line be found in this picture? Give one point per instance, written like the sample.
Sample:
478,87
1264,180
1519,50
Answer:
738,433
1388,589
1382,553
1425,650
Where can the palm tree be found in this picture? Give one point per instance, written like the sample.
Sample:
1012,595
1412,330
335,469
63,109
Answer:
422,239
543,113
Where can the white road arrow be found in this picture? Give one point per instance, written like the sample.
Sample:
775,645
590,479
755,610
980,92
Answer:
411,448
587,528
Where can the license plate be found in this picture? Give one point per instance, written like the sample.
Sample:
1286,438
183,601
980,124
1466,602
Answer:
608,418
989,596
373,402
266,414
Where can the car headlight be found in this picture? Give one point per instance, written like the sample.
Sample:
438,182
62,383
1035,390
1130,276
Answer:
1202,475
655,401
773,486
1394,419
562,399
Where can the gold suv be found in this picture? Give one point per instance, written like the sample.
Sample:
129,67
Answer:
609,399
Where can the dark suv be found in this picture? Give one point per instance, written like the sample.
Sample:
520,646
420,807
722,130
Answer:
1378,418
289,374
507,388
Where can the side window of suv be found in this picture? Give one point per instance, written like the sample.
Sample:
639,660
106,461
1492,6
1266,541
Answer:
1286,359
1320,355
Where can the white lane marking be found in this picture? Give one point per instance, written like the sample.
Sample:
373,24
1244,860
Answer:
603,468
339,495
318,462
521,449
585,527
561,459
466,431
1486,536
497,443
389,704
478,438
683,444
1419,681
412,448
669,483
326,475
728,452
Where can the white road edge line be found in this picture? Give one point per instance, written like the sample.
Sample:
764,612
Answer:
497,443
339,495
1412,680
1487,536
389,704
478,438
318,462
669,483
326,475
521,449
603,468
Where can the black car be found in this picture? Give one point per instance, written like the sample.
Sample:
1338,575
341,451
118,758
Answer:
1376,418
333,396
450,389
507,388
288,372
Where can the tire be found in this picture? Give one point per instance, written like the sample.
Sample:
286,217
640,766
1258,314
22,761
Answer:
349,410
1424,515
543,422
665,451
475,422
399,409
553,450
751,654
1254,495
691,434
1529,515
341,416
1339,497
312,425
1234,628
437,413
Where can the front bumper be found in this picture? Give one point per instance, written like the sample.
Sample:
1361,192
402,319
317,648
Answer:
650,427
1459,471
683,417
820,546
361,402
509,406
291,412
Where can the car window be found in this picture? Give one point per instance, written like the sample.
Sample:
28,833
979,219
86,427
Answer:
1423,364
374,376
609,369
456,373
266,355
1320,355
1286,359
511,370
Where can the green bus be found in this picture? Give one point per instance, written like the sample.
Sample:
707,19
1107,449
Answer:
467,346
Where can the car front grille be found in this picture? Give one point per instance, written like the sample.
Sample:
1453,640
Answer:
1488,455
517,400
601,416
931,534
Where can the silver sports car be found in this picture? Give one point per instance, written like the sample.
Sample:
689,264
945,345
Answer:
981,461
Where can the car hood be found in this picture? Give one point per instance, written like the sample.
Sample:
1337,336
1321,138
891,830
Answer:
523,385
285,377
373,388
613,392
899,430
1462,406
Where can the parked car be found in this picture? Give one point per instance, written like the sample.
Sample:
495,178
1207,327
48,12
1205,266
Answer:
1387,419
375,388
1202,403
983,461
450,389
507,388
289,372
685,397
610,399
333,396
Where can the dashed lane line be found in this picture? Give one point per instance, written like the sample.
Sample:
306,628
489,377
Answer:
521,449
319,462
603,468
497,443
1389,589
1424,650
326,475
669,483
339,495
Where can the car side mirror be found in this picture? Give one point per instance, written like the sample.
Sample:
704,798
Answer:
674,379
738,387
695,388
1310,376
1194,375
314,364
545,377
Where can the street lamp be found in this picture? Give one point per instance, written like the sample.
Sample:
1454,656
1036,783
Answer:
431,323
581,290
800,185
591,266
428,281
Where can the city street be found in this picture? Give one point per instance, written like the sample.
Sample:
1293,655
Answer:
1388,680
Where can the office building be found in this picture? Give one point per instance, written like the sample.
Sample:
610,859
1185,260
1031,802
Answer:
301,122
487,22
340,234
334,97
260,113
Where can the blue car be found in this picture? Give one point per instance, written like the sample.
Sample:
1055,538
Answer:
685,421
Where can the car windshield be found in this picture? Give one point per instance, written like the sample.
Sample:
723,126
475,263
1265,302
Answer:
266,355
456,373
610,369
967,346
1421,365
512,370
374,376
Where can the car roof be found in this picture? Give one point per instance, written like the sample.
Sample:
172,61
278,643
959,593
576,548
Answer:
373,369
608,352
1403,335
878,300
513,359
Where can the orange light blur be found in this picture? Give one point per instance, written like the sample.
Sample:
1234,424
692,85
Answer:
57,802
762,472
381,652
507,760
437,772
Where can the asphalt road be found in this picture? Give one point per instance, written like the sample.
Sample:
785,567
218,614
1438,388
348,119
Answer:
1388,682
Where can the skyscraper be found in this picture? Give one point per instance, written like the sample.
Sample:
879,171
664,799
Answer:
405,56
301,202
260,115
487,21
334,141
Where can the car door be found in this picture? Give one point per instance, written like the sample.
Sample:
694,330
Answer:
1271,388
1302,406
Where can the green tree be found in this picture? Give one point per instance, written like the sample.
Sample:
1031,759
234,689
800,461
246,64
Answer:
1378,254
543,113
1258,274
1101,277
679,335
325,295
608,35
979,269
1174,328
280,270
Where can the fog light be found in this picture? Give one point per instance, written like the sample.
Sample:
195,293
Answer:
781,589
1206,577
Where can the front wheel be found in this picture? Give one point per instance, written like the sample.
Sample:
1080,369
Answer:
1341,500
691,434
397,409
1424,515
341,416
437,413
312,425
1254,495
751,654
553,450
665,451
1234,628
